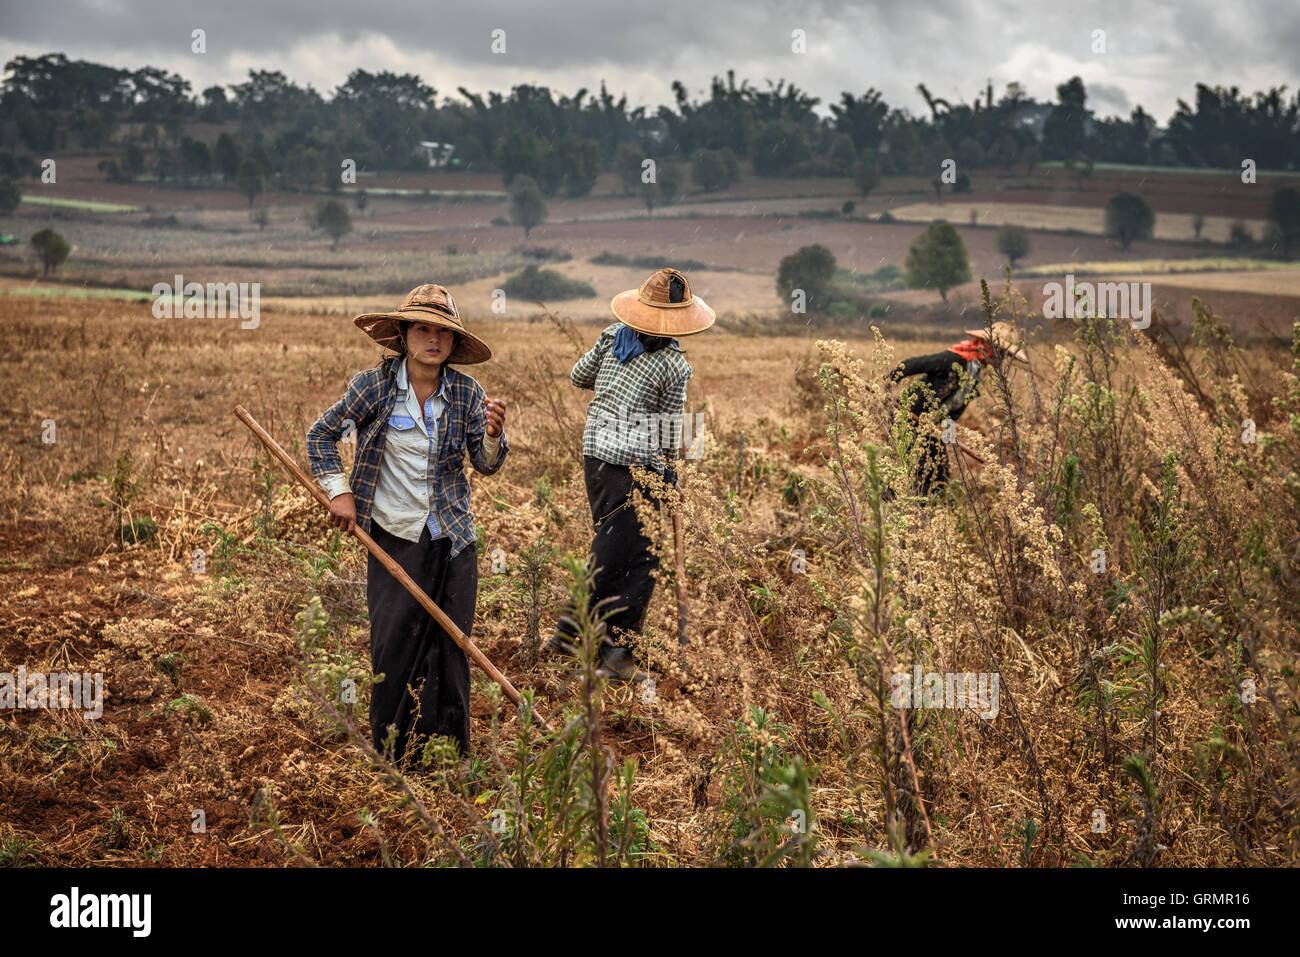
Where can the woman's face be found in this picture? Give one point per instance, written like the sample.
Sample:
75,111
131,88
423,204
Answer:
429,344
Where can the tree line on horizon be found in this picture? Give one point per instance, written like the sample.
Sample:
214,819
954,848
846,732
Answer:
275,128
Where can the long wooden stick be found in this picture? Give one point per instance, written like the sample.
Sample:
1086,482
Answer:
394,569
680,569
978,458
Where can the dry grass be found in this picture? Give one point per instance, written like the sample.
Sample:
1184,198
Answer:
1119,691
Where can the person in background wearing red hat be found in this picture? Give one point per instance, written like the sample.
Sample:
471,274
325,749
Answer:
948,381
638,373
415,419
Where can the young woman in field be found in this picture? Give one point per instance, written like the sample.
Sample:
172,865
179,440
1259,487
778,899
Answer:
639,374
949,380
415,418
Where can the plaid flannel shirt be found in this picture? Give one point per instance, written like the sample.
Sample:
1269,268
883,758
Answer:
637,409
366,407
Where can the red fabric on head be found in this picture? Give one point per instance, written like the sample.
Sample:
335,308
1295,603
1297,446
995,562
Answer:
979,350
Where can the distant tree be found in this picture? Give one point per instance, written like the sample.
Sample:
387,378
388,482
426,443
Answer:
866,175
112,172
261,216
216,106
133,161
900,153
812,270
970,155
843,153
670,183
196,159
1128,217
260,159
362,200
662,190
331,179
9,167
712,170
848,207
1239,235
1031,156
332,216
250,180
37,130
649,193
1006,150
93,129
581,160
937,259
1198,224
1063,136
527,207
862,119
52,249
1222,126
305,167
961,184
10,197
937,183
628,160
519,153
1013,242
164,166
226,156
1284,212
779,145
1083,169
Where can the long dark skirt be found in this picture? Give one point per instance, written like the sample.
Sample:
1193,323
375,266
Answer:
621,552
931,465
425,690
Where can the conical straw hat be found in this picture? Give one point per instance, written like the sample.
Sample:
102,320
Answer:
650,308
1004,337
428,303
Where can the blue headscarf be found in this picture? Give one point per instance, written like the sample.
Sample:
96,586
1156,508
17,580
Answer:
627,345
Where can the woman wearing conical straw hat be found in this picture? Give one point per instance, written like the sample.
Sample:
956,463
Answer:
950,379
638,371
415,419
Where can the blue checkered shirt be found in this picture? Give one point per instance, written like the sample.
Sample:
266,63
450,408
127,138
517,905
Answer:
637,409
370,408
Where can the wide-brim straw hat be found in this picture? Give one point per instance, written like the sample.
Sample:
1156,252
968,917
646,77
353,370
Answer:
650,308
1004,337
429,303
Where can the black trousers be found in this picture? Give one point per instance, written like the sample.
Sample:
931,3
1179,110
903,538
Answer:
931,465
425,690
932,468
621,552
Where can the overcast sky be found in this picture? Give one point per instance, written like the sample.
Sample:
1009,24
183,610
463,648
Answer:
1155,50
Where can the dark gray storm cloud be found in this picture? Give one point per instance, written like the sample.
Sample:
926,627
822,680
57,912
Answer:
1154,52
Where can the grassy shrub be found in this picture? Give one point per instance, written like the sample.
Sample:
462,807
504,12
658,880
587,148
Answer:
534,283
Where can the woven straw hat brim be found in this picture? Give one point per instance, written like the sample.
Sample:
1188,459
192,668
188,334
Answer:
1018,354
382,327
673,320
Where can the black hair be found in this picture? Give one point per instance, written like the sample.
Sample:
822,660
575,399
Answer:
653,343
